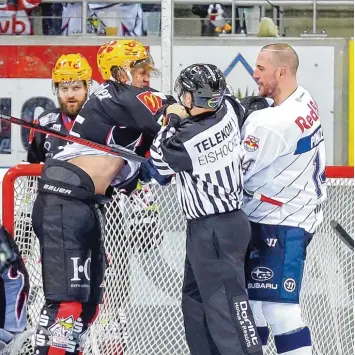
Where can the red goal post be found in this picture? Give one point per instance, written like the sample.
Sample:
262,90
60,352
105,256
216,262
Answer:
8,191
151,301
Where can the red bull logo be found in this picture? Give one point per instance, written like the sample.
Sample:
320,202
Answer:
251,144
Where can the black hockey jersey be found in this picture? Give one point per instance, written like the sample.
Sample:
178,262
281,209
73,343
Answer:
121,114
43,146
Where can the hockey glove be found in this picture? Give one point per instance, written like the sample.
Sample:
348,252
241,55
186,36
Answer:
253,103
149,171
174,115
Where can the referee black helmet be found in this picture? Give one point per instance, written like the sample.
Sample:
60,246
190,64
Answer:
205,82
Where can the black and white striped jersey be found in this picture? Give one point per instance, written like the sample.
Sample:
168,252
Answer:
206,155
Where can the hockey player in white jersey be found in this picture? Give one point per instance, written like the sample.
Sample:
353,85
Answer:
285,161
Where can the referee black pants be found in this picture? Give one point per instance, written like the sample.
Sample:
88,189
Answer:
217,316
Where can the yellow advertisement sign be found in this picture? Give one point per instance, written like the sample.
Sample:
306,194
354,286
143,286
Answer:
351,104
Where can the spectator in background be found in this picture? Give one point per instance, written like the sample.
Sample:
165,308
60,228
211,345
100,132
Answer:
151,19
250,17
201,12
104,19
51,18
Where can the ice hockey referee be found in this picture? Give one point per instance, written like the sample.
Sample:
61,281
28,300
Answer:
205,153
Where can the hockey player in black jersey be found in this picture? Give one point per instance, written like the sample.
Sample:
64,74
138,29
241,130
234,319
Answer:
67,215
71,80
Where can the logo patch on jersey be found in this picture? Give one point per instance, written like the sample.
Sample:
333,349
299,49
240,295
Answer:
60,331
251,144
47,119
152,102
290,285
262,273
57,127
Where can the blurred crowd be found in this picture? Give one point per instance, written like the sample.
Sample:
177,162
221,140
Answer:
122,19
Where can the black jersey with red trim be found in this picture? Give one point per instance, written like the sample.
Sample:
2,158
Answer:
121,114
43,146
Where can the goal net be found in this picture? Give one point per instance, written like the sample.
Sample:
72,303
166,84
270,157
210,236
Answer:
145,245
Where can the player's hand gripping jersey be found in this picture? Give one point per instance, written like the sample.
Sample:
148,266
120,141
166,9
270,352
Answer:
118,114
291,169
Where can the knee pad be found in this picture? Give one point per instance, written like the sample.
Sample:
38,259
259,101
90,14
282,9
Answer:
283,317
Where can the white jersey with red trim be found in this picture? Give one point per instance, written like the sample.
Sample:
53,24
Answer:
285,161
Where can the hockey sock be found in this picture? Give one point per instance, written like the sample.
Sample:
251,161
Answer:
297,342
88,316
263,334
62,328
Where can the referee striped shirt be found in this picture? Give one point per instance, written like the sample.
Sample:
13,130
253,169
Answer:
206,155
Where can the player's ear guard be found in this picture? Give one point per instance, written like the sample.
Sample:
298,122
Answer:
9,253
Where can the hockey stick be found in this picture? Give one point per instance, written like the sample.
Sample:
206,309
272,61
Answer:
342,234
121,152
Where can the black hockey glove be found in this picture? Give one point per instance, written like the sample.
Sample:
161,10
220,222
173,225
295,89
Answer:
253,103
149,171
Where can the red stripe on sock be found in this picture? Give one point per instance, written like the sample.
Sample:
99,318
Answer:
66,309
92,320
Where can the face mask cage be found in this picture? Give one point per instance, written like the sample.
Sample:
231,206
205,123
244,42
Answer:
178,90
148,64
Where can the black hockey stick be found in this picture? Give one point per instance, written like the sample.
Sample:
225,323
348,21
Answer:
343,235
121,152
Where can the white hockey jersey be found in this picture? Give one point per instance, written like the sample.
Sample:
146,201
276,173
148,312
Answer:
285,161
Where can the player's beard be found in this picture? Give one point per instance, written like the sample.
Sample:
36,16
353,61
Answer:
71,109
269,88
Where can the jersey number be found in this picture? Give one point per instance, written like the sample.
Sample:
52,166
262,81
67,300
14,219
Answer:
247,165
318,175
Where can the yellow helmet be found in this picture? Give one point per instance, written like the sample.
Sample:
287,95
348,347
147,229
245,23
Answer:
124,53
72,67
